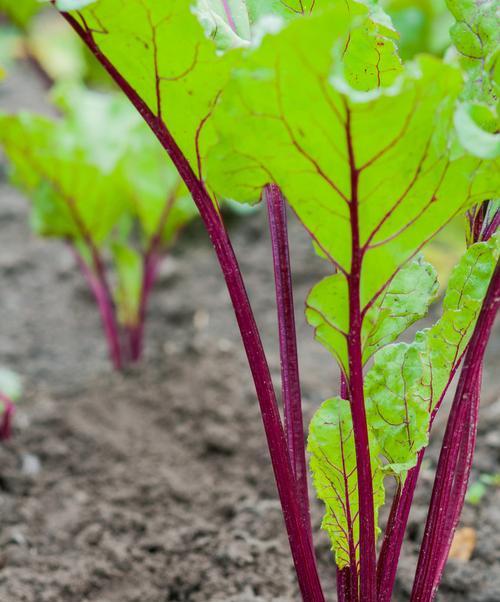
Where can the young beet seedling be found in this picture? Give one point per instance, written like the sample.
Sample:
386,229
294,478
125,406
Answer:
312,102
10,391
99,180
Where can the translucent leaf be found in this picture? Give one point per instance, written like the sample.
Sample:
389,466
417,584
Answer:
405,300
406,382
397,413
333,465
365,160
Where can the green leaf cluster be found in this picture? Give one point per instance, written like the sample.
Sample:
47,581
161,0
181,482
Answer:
99,179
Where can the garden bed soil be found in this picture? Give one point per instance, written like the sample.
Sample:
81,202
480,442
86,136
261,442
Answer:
155,485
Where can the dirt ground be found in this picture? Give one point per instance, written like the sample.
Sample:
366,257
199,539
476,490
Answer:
155,485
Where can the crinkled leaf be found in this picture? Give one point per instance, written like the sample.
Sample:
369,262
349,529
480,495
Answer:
406,382
403,302
443,345
333,465
397,413
475,36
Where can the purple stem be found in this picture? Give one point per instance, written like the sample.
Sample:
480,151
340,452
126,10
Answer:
6,422
367,552
151,260
458,443
290,381
301,548
106,308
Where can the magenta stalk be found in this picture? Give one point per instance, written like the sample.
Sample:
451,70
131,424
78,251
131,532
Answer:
300,545
458,442
106,310
290,381
367,551
6,418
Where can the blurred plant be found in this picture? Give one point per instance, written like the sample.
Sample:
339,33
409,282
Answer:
98,179
423,26
479,488
10,392
20,12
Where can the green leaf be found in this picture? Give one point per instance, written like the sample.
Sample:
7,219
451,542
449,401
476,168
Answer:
397,413
176,69
442,345
405,300
407,381
381,155
472,137
20,11
10,384
71,197
333,465
475,36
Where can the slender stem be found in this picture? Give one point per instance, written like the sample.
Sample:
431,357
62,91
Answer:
367,552
458,442
6,419
290,381
302,550
106,309
151,260
347,578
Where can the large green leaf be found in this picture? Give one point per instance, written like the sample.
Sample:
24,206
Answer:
370,168
175,68
333,465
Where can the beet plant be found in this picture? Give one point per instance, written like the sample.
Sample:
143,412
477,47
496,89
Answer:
100,181
310,102
10,391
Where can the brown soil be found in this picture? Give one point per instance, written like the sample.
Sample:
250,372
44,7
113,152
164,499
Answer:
155,485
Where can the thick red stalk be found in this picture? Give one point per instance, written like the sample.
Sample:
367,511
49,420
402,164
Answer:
106,309
290,381
451,478
302,550
367,552
6,417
